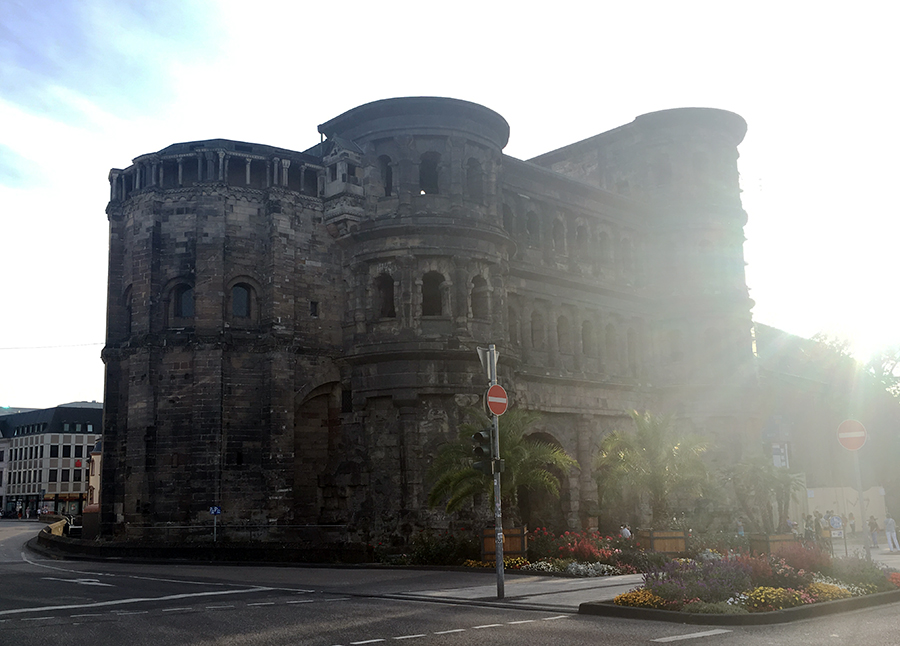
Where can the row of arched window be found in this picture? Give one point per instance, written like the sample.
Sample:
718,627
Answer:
430,176
614,347
243,305
563,237
432,296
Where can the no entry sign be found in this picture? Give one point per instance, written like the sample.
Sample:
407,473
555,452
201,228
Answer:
496,399
851,434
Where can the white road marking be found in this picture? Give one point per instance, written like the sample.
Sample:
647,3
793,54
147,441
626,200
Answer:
130,612
523,621
79,581
705,633
368,641
447,632
411,636
487,626
554,618
172,609
36,618
300,601
262,603
217,607
341,599
119,602
87,614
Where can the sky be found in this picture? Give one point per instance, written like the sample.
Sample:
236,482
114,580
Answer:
87,85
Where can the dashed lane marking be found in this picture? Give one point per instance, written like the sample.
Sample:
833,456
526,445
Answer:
705,633
523,621
411,636
554,618
487,626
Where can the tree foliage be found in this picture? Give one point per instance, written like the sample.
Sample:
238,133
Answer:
653,461
529,464
763,492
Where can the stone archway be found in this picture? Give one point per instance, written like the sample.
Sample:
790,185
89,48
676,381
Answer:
316,433
540,508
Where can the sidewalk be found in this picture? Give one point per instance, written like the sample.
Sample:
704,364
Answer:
554,594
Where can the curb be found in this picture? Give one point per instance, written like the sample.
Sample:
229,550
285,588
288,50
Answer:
609,609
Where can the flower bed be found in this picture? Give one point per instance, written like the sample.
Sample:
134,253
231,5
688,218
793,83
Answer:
751,584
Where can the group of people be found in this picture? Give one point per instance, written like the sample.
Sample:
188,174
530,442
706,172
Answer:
890,532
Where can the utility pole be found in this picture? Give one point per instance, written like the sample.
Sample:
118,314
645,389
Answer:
495,403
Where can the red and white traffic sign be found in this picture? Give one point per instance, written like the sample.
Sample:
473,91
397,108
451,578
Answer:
496,399
851,434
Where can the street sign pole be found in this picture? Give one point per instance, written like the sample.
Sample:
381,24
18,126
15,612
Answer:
495,460
852,436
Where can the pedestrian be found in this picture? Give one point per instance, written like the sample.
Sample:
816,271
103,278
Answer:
852,521
890,531
873,530
740,527
624,532
809,528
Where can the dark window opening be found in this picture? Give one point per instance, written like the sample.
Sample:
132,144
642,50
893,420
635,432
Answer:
64,475
52,475
431,294
346,401
475,181
314,309
479,298
563,335
79,451
532,227
332,172
184,302
384,294
387,175
537,331
428,174
240,301
54,450
559,236
67,451
310,182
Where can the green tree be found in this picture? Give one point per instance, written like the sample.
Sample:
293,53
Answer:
763,492
528,465
653,462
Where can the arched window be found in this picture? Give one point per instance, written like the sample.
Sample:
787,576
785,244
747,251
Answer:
126,301
532,227
387,175
563,335
474,180
603,247
515,337
633,349
479,298
241,301
428,173
183,302
581,236
384,297
431,294
508,219
559,236
612,347
537,331
587,338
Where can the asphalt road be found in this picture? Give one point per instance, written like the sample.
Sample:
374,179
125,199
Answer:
45,601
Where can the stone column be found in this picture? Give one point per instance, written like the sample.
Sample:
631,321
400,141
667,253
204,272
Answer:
113,186
247,170
588,505
285,165
180,171
275,163
210,166
199,167
222,161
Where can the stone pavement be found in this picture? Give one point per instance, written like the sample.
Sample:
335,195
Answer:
535,591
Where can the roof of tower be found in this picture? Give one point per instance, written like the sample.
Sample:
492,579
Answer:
416,115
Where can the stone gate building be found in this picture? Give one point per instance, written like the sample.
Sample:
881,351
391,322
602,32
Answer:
292,335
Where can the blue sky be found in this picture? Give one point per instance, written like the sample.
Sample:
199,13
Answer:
88,85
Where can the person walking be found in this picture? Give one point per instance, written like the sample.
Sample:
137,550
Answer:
873,530
890,531
852,522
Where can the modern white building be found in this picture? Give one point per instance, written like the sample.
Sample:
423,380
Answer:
47,457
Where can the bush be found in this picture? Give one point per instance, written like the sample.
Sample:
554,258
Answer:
860,572
442,548
769,571
640,598
717,608
809,558
768,599
826,592
711,582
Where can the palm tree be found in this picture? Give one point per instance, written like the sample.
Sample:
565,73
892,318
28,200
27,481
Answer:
762,489
652,462
528,463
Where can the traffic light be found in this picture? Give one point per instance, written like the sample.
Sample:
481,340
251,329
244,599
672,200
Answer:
481,452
